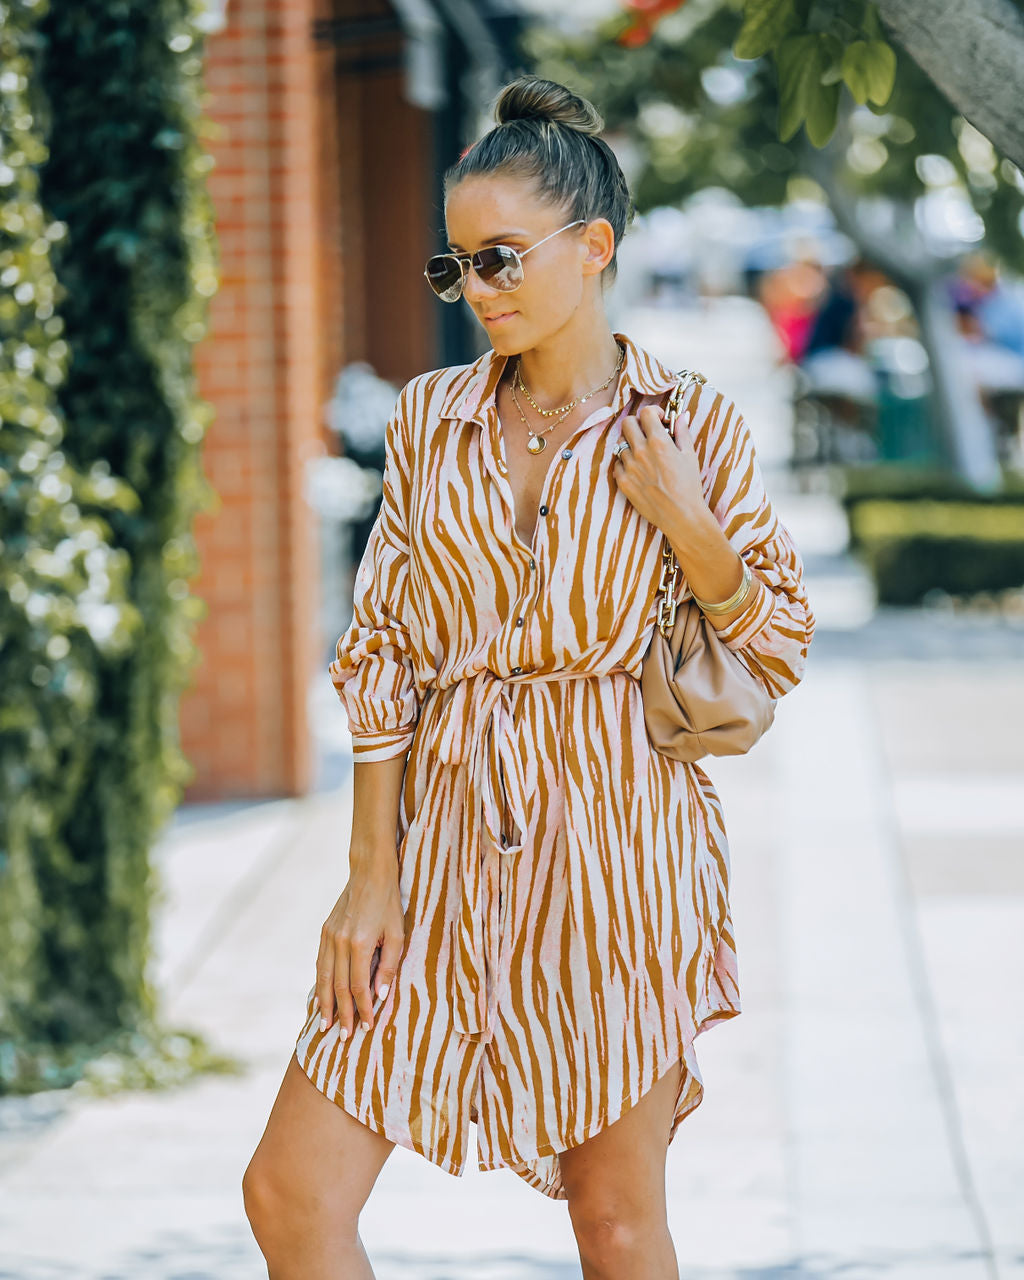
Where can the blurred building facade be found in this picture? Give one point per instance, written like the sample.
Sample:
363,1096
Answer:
335,120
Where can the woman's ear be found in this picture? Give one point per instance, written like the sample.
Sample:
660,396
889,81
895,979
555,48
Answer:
599,238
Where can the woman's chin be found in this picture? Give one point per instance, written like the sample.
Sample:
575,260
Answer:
506,344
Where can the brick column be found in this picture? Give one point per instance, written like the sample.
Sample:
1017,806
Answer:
264,366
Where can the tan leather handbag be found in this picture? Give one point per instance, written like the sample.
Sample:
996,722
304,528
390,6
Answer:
699,699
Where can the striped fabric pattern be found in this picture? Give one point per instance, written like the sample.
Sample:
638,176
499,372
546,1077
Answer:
565,886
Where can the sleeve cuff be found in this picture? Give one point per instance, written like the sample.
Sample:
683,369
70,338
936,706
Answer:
742,629
382,745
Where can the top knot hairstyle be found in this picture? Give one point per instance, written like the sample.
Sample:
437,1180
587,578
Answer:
549,134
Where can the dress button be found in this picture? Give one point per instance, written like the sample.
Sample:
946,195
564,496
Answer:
519,622
566,453
533,564
544,509
516,670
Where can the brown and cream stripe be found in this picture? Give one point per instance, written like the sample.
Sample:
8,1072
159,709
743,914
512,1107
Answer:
565,886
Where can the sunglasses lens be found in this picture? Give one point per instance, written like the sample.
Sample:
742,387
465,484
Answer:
444,275
499,267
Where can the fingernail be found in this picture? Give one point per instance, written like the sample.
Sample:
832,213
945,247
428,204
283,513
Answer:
323,1024
365,1026
384,989
344,1031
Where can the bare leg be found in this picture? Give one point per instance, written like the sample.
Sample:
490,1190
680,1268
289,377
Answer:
616,1187
307,1182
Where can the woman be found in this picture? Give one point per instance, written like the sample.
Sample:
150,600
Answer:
549,894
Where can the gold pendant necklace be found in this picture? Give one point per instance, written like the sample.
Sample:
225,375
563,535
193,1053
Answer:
536,443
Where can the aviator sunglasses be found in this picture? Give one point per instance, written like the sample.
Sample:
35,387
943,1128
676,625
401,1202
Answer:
498,265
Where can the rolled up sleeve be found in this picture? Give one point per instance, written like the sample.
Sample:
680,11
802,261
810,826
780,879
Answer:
773,633
373,671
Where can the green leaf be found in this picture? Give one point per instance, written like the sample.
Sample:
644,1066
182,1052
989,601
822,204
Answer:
765,24
822,112
834,49
869,69
856,69
800,63
882,71
803,62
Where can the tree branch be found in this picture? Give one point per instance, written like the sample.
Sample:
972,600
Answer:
975,54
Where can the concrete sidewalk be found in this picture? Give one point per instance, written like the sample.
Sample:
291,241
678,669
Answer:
862,1117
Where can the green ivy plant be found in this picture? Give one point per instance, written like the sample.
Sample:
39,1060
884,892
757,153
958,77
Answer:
106,265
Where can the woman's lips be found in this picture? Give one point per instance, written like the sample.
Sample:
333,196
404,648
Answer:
500,319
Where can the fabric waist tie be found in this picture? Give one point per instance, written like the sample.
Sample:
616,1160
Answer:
473,729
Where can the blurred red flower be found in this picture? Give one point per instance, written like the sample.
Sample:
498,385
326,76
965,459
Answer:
644,16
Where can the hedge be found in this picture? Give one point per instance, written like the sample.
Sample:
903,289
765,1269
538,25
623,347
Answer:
910,482
102,479
916,546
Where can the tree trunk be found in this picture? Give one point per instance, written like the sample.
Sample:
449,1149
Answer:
956,406
974,51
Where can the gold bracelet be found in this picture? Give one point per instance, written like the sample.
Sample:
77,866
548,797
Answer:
737,597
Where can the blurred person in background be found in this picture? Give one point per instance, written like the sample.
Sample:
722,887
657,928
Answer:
791,295
833,359
990,320
837,321
525,939
993,305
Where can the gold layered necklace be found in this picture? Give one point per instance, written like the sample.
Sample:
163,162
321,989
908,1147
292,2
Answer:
536,442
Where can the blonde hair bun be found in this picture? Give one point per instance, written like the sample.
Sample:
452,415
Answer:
531,98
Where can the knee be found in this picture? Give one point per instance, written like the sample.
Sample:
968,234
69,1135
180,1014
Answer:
261,1196
610,1232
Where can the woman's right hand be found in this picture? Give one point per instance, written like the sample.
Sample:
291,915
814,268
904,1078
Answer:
368,915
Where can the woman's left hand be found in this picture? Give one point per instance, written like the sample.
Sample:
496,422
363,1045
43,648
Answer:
660,476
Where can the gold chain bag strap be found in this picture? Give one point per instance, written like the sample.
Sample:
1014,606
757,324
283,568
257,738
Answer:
699,699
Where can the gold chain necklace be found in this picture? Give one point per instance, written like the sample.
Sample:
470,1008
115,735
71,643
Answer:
536,442
547,413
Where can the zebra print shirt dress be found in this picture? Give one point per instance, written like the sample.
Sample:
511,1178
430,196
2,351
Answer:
565,886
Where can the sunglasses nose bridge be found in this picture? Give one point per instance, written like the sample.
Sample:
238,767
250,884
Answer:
488,286
473,280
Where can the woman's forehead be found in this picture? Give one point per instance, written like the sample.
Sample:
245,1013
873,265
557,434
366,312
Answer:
487,219
495,205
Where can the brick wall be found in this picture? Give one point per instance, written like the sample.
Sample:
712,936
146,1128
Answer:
263,366
321,188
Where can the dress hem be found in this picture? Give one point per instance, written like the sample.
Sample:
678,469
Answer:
553,1188
519,1164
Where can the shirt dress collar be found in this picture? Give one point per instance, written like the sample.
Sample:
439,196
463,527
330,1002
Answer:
469,400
